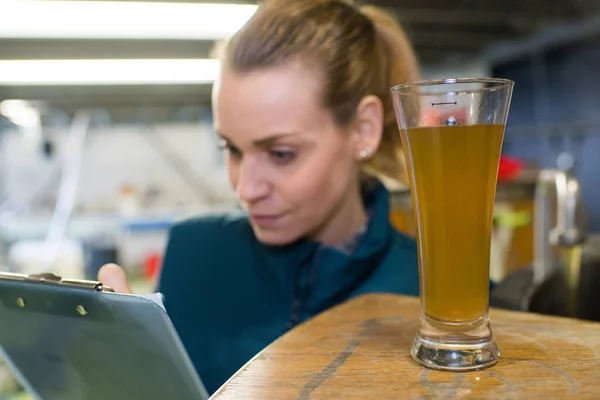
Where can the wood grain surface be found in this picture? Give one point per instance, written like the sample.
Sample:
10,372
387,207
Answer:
360,350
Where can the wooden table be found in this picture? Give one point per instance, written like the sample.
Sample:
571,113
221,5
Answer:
360,350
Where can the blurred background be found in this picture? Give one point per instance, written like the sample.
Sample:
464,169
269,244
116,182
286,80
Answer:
106,135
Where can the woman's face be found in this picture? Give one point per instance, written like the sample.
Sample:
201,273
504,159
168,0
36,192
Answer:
292,167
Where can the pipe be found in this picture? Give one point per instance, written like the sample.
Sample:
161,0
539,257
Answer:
67,191
568,231
555,36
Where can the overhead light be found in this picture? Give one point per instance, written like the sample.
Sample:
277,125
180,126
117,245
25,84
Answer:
107,72
121,20
20,113
26,117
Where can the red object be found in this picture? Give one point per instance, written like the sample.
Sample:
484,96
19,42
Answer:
152,264
509,168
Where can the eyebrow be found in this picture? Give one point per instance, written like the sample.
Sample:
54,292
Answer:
261,142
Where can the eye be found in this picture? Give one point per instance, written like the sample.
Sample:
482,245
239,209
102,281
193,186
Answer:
280,156
233,151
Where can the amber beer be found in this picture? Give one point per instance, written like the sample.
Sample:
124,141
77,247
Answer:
452,131
454,172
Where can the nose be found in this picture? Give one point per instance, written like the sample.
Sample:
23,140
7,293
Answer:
252,184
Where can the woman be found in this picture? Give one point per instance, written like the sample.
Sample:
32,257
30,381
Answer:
302,107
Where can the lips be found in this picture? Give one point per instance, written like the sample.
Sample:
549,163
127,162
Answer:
265,220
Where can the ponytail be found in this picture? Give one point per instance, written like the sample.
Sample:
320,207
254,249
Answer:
399,66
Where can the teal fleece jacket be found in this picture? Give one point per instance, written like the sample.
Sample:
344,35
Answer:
229,296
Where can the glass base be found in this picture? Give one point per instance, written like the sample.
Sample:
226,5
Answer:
455,346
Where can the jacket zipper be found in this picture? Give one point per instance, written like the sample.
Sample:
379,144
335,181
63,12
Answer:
300,296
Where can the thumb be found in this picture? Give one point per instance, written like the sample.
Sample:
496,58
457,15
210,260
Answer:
113,276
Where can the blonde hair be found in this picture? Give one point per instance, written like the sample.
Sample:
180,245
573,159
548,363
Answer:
361,51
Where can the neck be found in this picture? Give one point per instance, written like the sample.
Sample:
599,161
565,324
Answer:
345,222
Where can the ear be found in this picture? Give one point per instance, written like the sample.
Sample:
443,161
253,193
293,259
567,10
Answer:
368,127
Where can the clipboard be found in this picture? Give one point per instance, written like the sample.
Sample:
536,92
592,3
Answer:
79,340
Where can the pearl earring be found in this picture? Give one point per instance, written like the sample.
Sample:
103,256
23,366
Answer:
365,153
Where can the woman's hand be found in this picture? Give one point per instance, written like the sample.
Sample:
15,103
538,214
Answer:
113,276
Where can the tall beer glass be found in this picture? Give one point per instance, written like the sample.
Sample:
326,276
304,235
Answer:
452,132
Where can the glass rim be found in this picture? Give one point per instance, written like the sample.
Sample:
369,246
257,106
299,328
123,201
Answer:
497,84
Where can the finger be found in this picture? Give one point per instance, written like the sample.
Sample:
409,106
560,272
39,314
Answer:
113,276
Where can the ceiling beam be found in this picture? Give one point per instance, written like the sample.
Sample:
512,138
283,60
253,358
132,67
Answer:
552,9
450,40
560,35
435,54
66,49
509,21
101,96
500,30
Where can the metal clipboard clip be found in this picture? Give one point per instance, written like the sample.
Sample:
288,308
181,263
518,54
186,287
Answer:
52,279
